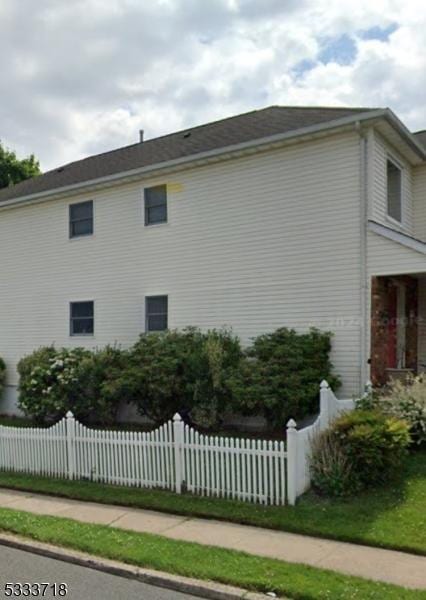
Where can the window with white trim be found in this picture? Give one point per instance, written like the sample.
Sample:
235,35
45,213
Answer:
82,318
155,199
156,313
394,191
81,219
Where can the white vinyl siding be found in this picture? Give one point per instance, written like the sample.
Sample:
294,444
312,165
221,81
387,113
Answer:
382,152
254,243
419,190
422,325
387,257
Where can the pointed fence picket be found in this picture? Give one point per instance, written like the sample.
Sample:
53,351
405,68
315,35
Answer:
175,456
241,469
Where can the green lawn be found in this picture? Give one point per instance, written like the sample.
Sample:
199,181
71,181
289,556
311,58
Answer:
202,562
392,517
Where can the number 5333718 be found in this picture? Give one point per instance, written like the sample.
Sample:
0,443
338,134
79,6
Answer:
40,590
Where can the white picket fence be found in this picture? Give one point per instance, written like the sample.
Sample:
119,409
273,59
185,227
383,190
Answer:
299,441
174,457
242,469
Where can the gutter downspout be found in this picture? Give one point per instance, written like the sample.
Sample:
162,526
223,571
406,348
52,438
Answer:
364,369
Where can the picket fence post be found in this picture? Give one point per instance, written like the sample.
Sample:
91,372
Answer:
178,426
70,422
291,462
324,405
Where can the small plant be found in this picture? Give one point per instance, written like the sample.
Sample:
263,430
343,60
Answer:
360,449
2,375
374,443
331,470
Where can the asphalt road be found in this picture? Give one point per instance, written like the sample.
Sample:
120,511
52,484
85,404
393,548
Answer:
82,583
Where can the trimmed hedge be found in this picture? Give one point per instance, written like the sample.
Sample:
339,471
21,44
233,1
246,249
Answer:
280,375
202,374
181,371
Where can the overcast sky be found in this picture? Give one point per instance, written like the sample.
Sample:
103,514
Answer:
81,77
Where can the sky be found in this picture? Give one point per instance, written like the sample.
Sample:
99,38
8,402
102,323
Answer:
82,77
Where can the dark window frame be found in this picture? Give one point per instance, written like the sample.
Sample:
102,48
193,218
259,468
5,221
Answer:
392,164
151,203
149,314
73,220
73,319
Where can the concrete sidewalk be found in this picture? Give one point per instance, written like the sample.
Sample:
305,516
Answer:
373,563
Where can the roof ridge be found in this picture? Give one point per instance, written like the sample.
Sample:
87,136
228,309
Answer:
238,128
202,125
155,138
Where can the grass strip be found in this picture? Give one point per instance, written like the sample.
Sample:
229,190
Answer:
392,517
201,562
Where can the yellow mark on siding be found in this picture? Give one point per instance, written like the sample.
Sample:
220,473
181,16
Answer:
174,187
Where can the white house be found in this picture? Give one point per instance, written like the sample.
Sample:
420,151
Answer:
285,216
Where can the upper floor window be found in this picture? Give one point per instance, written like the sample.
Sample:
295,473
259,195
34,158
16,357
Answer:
81,219
82,318
394,191
156,313
155,205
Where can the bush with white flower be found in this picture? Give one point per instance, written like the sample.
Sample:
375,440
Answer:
408,401
53,381
49,382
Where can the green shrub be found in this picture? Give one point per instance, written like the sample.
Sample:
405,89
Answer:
53,381
202,374
408,402
213,361
365,449
281,373
2,375
97,373
330,467
181,371
374,443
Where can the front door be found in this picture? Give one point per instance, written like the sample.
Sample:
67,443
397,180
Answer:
392,327
396,327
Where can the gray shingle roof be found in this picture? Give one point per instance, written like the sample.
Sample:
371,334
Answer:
242,128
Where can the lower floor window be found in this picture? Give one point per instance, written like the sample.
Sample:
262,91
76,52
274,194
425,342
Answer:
82,318
156,310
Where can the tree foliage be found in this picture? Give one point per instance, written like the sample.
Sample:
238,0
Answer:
13,170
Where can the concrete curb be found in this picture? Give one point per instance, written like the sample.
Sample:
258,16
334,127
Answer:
203,589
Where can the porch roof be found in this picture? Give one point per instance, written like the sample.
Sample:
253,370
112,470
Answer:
397,236
392,252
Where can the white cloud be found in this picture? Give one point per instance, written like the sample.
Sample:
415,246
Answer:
83,77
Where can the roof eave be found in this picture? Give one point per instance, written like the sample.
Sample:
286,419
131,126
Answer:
405,133
218,154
